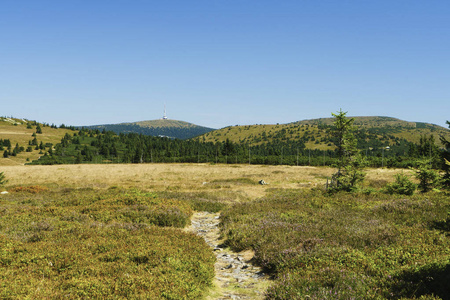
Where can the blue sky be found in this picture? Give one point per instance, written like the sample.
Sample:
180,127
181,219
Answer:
218,63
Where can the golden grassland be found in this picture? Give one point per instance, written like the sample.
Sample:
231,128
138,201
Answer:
183,177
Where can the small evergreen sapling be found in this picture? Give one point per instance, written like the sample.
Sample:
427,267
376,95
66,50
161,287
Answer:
428,178
2,179
402,185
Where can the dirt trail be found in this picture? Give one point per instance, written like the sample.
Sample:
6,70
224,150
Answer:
236,278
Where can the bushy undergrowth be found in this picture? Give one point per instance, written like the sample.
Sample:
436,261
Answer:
76,244
402,185
346,246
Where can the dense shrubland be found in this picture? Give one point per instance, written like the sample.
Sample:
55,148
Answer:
346,246
115,244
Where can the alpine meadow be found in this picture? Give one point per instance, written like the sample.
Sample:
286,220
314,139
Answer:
336,208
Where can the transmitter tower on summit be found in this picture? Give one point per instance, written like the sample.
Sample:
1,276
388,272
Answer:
165,115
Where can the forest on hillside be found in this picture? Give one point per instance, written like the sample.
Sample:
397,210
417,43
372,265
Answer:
95,146
183,133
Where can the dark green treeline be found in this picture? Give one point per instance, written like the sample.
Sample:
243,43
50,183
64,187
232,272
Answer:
94,146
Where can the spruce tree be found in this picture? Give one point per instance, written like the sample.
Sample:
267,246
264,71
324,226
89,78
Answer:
38,129
349,163
446,160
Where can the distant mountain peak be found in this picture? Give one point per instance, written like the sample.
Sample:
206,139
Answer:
160,127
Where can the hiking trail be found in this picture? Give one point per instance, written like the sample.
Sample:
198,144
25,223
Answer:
236,277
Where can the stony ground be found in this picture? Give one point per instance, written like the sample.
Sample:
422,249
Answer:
236,276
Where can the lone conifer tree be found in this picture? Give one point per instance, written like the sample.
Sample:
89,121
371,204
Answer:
446,158
349,163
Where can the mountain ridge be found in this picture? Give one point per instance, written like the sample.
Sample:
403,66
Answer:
316,133
160,127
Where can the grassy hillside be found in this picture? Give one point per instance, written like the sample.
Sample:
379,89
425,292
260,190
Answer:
168,128
316,133
20,131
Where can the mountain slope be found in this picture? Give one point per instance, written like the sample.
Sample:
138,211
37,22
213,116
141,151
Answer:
163,127
316,133
19,131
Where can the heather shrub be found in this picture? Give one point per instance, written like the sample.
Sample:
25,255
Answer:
343,246
78,244
138,207
203,201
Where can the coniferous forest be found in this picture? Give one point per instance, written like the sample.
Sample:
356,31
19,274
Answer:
95,146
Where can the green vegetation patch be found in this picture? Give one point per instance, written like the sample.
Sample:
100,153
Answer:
89,244
236,181
346,246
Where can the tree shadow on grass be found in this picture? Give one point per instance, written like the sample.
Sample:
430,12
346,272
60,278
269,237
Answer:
442,225
429,280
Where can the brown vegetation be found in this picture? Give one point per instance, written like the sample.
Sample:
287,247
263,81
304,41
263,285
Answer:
182,177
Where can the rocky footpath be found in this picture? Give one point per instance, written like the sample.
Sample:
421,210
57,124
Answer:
236,277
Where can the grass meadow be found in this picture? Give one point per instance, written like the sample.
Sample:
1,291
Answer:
116,231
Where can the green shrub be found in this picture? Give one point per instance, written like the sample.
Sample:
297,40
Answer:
428,178
2,179
402,185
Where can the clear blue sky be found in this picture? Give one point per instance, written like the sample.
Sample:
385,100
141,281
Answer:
219,63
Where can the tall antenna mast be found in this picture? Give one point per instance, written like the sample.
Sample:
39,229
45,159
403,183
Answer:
165,116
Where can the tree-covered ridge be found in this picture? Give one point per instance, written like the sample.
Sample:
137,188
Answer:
167,128
288,144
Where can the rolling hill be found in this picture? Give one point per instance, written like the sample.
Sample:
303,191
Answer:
316,133
374,133
162,127
21,131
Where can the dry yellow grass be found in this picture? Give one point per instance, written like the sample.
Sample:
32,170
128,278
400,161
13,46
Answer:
181,177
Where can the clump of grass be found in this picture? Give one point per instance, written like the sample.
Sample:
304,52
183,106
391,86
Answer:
139,207
240,180
377,183
203,201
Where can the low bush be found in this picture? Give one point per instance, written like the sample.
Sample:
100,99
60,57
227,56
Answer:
428,178
76,244
2,179
402,185
203,201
